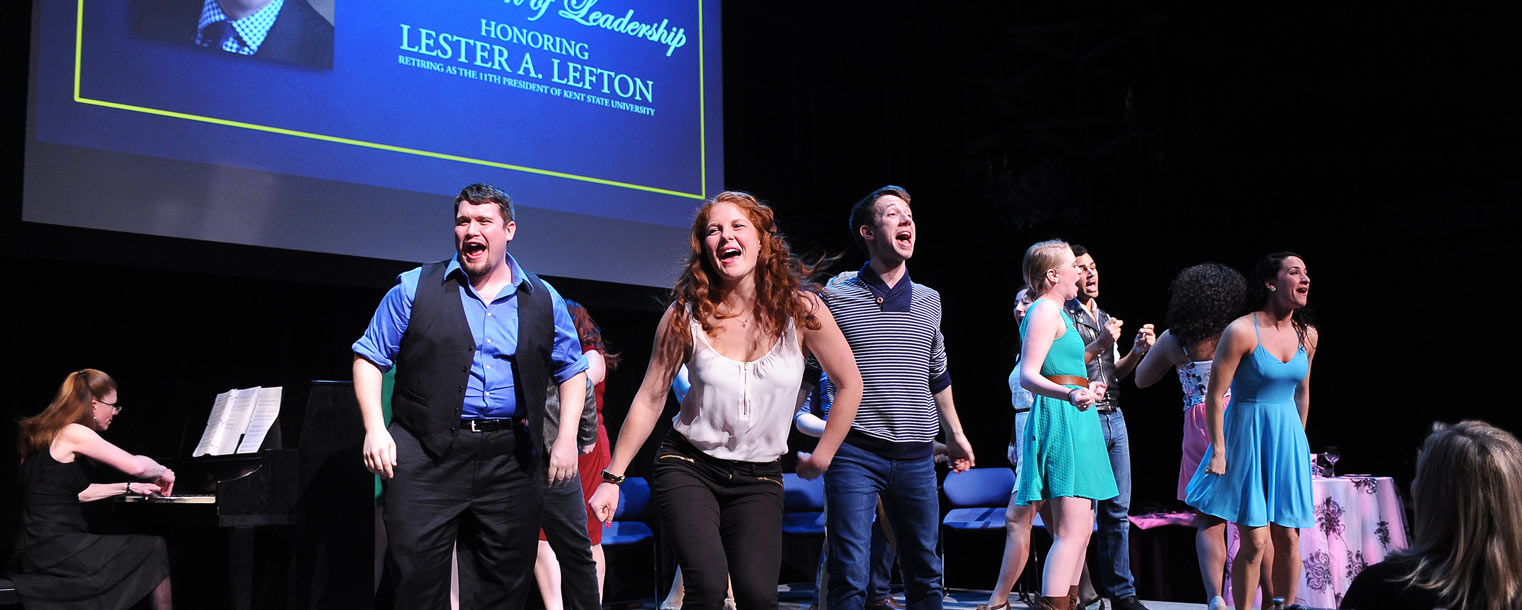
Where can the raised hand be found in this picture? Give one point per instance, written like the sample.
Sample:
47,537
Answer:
1145,338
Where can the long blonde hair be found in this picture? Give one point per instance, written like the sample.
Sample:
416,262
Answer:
71,405
1467,529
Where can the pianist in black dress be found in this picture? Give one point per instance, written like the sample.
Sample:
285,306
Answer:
59,563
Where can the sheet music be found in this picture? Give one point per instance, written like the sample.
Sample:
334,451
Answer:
233,414
266,407
211,438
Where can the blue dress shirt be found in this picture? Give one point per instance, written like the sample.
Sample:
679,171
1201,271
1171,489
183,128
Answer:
489,393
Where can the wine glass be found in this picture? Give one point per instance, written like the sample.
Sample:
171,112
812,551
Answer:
1332,455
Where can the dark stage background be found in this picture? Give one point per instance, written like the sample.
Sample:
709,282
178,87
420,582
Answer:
1378,143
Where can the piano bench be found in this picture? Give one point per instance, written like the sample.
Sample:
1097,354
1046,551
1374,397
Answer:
8,593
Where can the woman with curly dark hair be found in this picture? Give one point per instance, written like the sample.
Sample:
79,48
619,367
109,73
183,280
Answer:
1202,300
742,320
1256,472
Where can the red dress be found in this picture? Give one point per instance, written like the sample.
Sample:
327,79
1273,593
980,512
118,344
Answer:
592,464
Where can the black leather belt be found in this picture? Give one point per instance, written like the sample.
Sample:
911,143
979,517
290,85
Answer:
489,425
1105,409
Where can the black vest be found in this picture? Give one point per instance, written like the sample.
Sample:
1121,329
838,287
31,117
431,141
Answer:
1102,366
434,360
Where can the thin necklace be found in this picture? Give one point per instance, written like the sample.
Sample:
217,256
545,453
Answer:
744,321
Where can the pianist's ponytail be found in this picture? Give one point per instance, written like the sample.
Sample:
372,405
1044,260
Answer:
70,406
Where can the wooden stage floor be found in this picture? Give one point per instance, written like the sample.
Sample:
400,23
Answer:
799,597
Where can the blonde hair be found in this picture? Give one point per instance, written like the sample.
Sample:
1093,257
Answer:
71,405
1467,529
1041,257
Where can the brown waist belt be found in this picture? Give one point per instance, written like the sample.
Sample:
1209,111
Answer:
1082,382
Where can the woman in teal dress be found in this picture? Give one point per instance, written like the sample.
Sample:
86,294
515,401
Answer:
1257,472
1064,460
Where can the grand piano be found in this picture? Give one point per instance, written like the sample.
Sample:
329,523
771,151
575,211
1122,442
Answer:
294,522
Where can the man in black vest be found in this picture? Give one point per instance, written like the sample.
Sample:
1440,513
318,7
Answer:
475,340
1112,560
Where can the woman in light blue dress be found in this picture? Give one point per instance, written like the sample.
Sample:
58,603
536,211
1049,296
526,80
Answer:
1257,472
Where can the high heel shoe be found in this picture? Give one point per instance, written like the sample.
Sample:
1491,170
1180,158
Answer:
1052,603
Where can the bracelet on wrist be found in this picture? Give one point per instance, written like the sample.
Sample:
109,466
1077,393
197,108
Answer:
616,479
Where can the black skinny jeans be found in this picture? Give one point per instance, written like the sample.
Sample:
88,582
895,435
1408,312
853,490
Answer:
724,519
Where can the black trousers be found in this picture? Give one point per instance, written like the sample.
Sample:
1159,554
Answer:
485,482
565,528
724,519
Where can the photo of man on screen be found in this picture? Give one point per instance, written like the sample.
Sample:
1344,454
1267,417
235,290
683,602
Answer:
291,31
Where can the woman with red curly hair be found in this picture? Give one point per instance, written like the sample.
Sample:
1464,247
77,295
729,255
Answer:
742,320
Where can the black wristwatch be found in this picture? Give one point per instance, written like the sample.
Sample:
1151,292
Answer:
616,479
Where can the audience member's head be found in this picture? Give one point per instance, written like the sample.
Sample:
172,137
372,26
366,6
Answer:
1468,526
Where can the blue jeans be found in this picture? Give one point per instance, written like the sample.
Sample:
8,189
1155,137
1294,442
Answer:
1112,561
852,486
879,577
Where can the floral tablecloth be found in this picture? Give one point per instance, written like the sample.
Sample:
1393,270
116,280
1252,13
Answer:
1358,522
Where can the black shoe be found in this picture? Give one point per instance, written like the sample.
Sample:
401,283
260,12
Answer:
1127,603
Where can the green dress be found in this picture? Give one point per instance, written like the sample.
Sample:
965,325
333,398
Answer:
1064,453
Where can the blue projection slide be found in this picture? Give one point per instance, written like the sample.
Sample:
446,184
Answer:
595,107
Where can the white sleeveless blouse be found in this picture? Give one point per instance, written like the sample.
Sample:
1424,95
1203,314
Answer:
741,410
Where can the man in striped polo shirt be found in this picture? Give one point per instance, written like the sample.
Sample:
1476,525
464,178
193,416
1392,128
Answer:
894,328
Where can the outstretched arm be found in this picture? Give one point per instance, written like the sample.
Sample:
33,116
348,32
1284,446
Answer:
1139,349
834,354
101,491
80,440
1164,355
1236,342
665,357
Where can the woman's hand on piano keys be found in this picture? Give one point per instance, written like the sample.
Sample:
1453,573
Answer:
164,484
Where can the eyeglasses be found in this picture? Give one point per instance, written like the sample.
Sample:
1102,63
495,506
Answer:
116,407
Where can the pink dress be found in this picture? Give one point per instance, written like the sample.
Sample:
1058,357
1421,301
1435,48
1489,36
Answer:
1195,379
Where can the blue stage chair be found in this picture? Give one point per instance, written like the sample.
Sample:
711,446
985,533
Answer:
978,499
802,505
631,527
